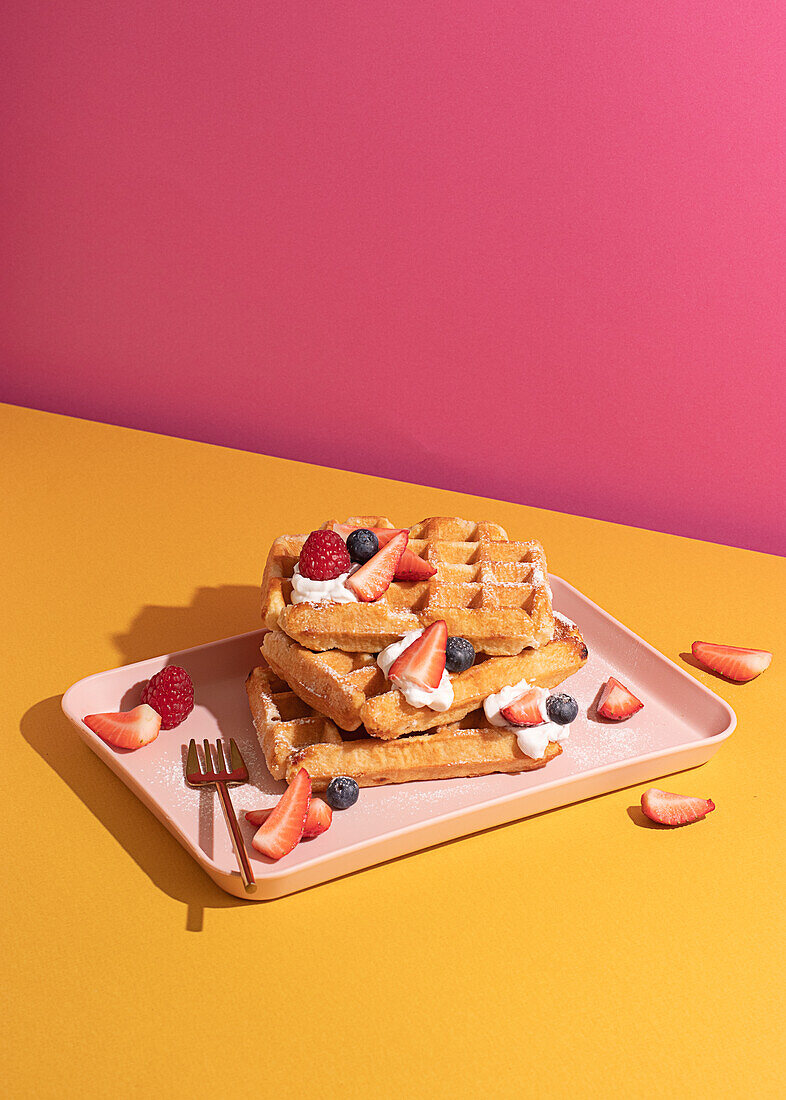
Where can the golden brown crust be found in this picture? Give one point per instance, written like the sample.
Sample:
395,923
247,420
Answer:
292,735
352,691
488,589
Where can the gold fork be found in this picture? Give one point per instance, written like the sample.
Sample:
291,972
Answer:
222,777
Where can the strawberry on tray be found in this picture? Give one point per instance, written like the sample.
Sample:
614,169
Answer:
617,702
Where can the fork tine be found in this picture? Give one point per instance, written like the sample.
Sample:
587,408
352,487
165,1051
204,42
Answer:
222,765
234,752
192,761
208,756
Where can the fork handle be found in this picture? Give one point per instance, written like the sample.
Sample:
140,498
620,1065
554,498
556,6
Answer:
246,873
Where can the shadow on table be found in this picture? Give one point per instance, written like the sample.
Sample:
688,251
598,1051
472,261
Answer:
213,614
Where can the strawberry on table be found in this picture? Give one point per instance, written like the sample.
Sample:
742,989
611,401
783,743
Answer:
732,661
674,809
318,818
279,834
129,729
423,662
371,580
617,701
527,710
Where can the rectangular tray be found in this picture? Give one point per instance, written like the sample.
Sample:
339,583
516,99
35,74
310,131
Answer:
682,725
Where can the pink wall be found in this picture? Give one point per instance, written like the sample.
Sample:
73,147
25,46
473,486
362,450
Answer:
530,250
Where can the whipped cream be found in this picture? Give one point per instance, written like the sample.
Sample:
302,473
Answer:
532,740
439,699
304,590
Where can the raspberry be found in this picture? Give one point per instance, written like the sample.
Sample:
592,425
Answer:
171,694
324,556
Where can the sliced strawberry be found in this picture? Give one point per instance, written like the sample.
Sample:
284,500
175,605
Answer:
129,729
283,829
344,529
617,702
674,809
527,710
374,577
318,818
423,662
731,661
384,534
413,568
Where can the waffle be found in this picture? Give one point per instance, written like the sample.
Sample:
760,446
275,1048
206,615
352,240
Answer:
488,589
351,689
294,736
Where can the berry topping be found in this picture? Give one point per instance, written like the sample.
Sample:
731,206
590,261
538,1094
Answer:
562,709
362,544
423,662
384,534
171,693
324,556
674,809
459,655
342,792
318,818
731,661
413,568
126,729
374,577
526,710
279,834
617,702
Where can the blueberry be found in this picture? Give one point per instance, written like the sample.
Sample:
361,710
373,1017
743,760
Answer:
561,709
459,655
342,792
362,545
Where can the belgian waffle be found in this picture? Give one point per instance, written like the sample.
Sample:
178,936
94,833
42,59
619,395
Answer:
488,589
351,690
294,736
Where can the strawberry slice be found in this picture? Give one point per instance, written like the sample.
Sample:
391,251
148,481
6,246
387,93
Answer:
384,534
283,829
527,709
374,577
423,662
674,809
129,729
413,568
318,818
617,702
731,661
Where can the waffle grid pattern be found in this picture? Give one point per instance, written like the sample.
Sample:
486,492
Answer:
488,589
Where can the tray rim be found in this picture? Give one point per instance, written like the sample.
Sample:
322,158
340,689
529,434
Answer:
273,875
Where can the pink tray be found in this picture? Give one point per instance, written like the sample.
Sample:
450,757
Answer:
682,725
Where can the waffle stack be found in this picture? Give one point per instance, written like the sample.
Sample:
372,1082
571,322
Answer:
320,701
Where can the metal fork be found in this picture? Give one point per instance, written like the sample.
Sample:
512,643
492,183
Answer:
222,777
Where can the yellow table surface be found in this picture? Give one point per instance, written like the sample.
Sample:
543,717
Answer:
576,953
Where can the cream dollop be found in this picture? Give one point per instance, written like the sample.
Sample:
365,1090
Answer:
439,699
532,740
304,590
